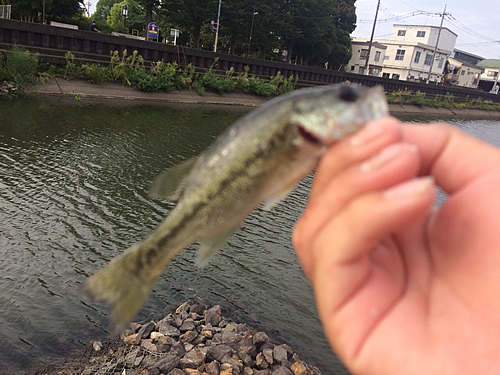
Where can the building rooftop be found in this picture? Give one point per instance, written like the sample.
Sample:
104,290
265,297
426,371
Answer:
489,63
428,26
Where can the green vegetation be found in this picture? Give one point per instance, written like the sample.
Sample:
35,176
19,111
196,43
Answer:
19,67
439,101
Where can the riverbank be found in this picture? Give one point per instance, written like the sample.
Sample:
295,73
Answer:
82,91
195,339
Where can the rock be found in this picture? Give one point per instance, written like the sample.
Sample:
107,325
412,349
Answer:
135,327
156,335
198,340
131,356
247,371
192,371
178,350
138,360
167,364
260,337
231,327
245,357
280,353
233,361
224,323
151,371
194,358
188,346
168,330
176,371
127,332
268,355
134,339
213,316
148,345
146,330
166,340
189,336
178,320
228,371
260,362
265,371
97,345
299,368
217,352
197,308
207,331
183,308
213,368
229,336
282,370
188,325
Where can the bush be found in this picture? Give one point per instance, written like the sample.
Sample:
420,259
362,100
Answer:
21,67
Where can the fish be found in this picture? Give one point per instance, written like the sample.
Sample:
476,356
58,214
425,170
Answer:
258,160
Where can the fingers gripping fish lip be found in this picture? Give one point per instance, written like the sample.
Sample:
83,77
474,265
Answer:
259,159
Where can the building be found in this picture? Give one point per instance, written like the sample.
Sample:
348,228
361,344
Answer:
360,53
489,79
462,73
466,57
409,54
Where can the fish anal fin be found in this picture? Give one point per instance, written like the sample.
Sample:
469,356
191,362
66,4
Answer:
211,245
168,185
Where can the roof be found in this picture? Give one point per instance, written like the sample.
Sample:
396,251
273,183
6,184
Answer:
466,63
374,44
490,63
468,54
428,26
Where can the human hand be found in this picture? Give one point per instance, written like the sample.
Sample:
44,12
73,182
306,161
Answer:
402,287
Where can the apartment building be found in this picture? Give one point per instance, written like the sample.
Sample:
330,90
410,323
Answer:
462,73
409,53
357,63
491,75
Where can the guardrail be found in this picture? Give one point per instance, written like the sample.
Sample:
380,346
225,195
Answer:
52,42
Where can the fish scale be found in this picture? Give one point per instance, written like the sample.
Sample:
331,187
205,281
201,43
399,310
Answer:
258,160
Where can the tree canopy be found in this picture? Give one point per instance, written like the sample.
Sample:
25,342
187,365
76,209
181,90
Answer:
307,32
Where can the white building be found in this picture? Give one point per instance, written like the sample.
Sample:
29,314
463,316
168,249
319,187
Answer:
489,80
360,53
410,52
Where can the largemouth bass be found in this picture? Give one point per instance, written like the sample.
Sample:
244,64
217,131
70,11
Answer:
259,159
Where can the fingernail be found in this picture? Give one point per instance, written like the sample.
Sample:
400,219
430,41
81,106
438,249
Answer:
386,156
366,134
415,187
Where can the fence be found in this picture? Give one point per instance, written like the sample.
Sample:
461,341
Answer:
53,42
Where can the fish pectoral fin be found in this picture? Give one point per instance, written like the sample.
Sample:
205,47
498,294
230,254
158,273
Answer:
211,245
274,200
169,184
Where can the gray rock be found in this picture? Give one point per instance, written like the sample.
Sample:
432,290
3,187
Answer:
280,353
224,322
213,316
217,352
228,336
194,358
282,370
178,350
167,364
187,325
246,357
261,362
189,336
176,371
247,371
265,371
207,331
138,360
260,337
182,308
97,345
268,355
153,371
198,340
148,345
231,327
213,368
234,362
146,330
168,330
197,308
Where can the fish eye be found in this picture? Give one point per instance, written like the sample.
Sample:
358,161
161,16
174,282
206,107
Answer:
348,93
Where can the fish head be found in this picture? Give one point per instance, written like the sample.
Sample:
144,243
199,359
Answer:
327,115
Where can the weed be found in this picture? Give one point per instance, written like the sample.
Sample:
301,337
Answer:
21,67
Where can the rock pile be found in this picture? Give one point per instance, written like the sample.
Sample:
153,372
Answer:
199,341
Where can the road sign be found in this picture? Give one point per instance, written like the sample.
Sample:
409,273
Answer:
212,28
152,31
212,22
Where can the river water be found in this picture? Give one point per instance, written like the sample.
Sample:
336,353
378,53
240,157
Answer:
73,194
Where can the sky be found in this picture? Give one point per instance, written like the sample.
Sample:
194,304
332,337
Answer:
477,23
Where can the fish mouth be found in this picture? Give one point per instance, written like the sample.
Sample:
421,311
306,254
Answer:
308,136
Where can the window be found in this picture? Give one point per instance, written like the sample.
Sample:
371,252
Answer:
428,59
401,32
374,71
400,54
386,75
377,56
420,34
364,54
361,70
417,57
492,73
463,72
386,57
395,76
441,62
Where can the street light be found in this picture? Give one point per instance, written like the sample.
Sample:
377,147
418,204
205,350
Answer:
124,13
251,29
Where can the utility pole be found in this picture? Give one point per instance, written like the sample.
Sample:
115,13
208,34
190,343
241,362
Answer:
371,38
217,32
435,47
251,29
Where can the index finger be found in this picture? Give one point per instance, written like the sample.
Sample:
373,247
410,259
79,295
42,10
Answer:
452,156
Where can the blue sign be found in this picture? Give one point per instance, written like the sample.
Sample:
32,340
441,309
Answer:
152,31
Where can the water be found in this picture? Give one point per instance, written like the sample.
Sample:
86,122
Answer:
73,194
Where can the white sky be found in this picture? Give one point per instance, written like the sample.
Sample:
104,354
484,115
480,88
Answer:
477,23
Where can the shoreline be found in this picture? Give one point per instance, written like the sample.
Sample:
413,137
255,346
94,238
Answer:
193,339
82,91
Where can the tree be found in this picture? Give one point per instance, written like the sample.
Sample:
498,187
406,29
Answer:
134,20
103,9
31,10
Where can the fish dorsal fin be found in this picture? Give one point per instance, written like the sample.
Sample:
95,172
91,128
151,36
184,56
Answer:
211,245
169,184
277,198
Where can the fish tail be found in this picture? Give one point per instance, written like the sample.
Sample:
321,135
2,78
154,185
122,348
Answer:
125,284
